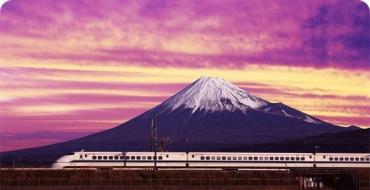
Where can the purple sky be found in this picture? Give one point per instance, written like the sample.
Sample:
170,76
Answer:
70,68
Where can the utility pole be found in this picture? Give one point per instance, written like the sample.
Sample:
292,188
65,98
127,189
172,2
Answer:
162,144
316,148
154,140
163,141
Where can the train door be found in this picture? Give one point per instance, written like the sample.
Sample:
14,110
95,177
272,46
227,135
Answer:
124,158
187,160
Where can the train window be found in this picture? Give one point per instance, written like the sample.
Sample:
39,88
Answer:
234,157
213,158
346,158
271,158
99,157
286,158
356,159
167,156
138,157
110,157
324,157
310,157
116,157
351,159
127,157
362,159
149,157
105,157
250,158
266,158
281,158
276,158
94,157
121,157
207,157
239,158
296,158
341,159
192,156
367,159
218,158
303,158
330,158
245,158
132,157
80,156
223,158
291,158
229,158
255,158
202,157
85,155
160,157
336,158
144,157
260,158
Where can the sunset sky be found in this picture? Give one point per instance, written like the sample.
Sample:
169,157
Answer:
73,67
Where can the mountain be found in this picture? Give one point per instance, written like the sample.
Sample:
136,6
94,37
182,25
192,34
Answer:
208,114
346,141
212,95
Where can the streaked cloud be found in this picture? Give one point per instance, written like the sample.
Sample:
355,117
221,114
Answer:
82,67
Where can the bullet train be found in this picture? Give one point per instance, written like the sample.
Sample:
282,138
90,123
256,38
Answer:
215,160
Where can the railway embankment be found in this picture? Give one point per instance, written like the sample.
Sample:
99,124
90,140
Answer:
177,179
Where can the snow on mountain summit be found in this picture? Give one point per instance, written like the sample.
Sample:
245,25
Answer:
213,94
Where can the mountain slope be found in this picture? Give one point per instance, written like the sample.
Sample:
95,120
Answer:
345,141
284,110
208,114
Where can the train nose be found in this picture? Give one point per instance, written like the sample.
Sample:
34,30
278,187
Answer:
62,162
57,165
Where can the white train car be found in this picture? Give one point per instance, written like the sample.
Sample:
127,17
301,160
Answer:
250,160
214,160
342,160
120,159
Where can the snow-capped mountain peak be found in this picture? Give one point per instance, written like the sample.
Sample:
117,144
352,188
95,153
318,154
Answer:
213,94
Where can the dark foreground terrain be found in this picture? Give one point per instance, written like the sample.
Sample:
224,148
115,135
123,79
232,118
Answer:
175,179
147,187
